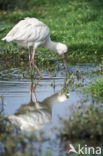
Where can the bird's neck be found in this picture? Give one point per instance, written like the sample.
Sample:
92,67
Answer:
51,45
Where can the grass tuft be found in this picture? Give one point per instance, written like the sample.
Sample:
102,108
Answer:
96,88
87,125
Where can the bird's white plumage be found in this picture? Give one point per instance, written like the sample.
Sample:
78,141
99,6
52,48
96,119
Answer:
31,32
27,32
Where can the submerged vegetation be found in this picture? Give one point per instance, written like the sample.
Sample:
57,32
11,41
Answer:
79,24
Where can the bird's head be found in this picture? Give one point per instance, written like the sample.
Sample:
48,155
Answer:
61,48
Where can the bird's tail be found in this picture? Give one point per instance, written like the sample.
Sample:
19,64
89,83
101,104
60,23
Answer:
3,39
8,39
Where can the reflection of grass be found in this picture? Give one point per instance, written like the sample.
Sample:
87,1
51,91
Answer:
96,88
84,125
78,24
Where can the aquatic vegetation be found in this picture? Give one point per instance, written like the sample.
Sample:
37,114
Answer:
84,125
96,88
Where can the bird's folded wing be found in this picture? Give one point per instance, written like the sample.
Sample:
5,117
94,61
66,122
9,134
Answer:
29,32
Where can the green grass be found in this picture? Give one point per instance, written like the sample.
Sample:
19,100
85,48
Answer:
96,88
79,24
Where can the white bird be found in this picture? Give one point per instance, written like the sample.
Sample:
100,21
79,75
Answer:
30,32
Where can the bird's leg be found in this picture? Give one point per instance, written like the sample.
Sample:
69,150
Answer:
35,66
34,94
65,64
29,56
32,59
31,88
32,63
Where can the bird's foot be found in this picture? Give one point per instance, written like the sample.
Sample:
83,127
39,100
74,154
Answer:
31,62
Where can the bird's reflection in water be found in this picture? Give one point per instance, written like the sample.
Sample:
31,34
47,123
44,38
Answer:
35,114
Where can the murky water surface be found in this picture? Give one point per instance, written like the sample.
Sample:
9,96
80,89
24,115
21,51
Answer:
34,104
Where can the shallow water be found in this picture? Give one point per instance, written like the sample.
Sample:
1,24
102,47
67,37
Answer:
43,102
